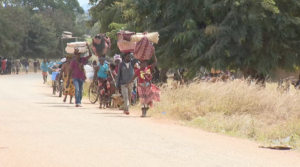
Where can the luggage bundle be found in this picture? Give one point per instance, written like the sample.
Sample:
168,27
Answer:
81,46
140,44
67,34
100,45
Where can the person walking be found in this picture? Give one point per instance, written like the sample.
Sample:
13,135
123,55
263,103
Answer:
44,67
64,74
147,91
35,65
8,66
125,73
3,66
13,67
18,65
38,65
26,65
0,65
104,85
77,73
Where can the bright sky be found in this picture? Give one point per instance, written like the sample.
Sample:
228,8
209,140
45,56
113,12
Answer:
83,2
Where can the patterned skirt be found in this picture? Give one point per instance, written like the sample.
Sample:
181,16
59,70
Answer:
148,93
68,90
104,87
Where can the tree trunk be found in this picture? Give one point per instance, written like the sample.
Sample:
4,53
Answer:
163,75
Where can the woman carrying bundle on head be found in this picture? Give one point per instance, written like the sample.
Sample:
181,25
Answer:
103,83
146,90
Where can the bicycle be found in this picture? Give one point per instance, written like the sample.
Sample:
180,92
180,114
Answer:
93,93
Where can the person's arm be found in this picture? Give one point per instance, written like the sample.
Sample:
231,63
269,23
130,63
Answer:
131,80
155,62
90,53
96,69
62,70
118,76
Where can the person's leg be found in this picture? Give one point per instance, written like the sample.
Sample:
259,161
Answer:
130,88
81,82
124,91
71,97
65,99
77,94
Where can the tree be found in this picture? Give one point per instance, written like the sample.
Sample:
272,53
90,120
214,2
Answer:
40,40
257,35
22,35
12,30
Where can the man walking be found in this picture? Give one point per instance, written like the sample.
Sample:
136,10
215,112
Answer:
77,73
125,73
8,66
26,65
18,65
35,65
44,67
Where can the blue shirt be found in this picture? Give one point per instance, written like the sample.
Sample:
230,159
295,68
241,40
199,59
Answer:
44,67
102,71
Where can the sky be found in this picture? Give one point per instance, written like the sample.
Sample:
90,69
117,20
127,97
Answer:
83,2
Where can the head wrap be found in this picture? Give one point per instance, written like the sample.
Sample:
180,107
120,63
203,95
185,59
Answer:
117,57
69,55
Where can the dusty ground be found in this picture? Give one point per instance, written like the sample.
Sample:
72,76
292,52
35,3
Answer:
38,130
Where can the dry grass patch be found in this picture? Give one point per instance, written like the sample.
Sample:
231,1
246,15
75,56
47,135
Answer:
236,109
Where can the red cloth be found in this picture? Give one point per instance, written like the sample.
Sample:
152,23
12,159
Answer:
144,75
3,65
116,69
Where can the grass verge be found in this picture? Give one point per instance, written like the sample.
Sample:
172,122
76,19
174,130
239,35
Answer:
236,109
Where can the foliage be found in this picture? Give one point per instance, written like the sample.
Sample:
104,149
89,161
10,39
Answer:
261,35
32,28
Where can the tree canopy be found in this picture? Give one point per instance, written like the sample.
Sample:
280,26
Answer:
32,28
234,34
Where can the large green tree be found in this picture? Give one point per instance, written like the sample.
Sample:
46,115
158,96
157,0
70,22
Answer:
31,27
259,35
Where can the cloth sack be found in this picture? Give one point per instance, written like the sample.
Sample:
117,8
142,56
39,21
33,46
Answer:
101,44
124,41
144,49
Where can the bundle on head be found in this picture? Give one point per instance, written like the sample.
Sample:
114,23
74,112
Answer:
101,43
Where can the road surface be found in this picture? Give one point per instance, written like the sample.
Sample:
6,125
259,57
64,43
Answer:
38,130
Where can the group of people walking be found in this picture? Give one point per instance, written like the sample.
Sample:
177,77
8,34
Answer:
111,78
9,66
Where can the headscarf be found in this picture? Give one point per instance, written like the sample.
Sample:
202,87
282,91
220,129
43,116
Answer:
117,57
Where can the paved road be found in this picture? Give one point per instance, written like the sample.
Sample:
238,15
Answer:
38,130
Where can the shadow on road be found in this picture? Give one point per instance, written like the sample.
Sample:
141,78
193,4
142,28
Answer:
61,106
47,103
108,113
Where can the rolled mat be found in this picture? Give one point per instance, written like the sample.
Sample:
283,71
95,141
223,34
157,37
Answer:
152,37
